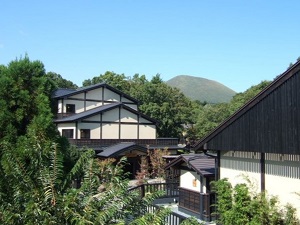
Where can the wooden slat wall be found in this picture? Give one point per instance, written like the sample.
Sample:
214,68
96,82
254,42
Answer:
270,126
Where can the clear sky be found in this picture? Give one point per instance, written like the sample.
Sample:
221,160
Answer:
236,42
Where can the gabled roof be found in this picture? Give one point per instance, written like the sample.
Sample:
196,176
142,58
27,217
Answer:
100,109
62,92
65,93
278,81
202,164
117,149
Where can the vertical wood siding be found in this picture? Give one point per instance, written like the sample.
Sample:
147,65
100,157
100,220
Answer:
271,125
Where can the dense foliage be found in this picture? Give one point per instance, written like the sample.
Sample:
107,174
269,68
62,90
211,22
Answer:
210,116
241,205
38,167
59,81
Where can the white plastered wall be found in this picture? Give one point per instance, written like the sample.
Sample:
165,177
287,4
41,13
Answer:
94,129
282,177
91,105
110,131
62,126
187,179
59,106
94,118
95,94
111,96
129,131
127,116
111,115
236,166
79,105
147,131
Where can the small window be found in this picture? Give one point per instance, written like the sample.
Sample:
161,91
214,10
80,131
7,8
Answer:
70,108
68,133
85,133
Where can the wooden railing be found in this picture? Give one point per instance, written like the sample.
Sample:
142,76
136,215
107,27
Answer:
96,143
63,115
200,203
170,189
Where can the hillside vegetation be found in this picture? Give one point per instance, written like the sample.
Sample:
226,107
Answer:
201,89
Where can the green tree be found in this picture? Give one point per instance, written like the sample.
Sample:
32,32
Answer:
157,100
37,167
210,116
118,81
238,205
59,81
166,104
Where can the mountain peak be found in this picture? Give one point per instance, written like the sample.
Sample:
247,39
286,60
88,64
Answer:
202,89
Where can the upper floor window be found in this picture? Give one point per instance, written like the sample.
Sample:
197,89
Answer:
70,108
68,133
85,133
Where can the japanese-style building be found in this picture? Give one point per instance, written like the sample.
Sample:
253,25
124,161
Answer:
193,172
107,120
262,140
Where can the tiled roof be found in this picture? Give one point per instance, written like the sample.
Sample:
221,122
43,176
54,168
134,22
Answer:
200,163
117,149
62,94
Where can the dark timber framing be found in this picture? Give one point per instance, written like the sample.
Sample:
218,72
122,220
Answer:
269,123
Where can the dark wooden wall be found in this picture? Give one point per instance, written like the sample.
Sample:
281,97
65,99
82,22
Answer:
271,125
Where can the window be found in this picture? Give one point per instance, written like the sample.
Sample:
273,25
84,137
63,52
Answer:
70,108
68,133
85,133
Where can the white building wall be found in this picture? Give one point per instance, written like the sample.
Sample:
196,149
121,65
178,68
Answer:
204,185
190,180
147,131
110,131
79,105
143,120
129,131
283,178
126,100
79,96
111,96
94,129
236,166
95,94
91,105
62,126
282,174
59,106
127,116
111,115
94,118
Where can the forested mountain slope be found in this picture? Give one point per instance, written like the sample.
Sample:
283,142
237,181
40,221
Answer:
204,90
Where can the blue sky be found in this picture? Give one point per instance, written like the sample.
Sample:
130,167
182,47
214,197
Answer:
235,42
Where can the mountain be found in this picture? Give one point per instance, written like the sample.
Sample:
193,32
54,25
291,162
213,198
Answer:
198,88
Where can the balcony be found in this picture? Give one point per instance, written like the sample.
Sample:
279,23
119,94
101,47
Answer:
63,115
190,203
199,203
97,143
